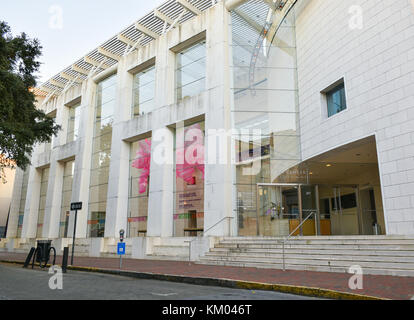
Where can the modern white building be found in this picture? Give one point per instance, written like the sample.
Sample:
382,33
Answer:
288,113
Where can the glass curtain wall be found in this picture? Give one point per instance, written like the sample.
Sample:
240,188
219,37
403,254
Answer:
139,175
191,71
265,114
143,92
42,201
101,156
73,123
189,180
22,203
66,198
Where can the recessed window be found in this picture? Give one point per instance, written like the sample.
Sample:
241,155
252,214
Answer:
144,92
191,71
336,99
73,123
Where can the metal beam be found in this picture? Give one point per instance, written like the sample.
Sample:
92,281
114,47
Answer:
55,83
108,54
177,19
187,5
136,44
146,31
126,40
163,17
80,70
66,76
232,4
95,63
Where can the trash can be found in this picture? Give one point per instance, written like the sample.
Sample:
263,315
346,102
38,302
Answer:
44,250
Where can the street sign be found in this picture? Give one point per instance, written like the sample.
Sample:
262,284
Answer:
76,206
121,248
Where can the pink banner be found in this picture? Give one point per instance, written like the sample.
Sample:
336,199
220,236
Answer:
191,156
143,162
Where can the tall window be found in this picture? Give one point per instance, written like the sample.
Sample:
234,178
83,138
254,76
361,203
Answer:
42,201
73,123
139,175
191,71
66,198
189,180
336,100
101,156
144,92
22,203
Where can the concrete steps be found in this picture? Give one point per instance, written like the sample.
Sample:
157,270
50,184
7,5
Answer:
376,255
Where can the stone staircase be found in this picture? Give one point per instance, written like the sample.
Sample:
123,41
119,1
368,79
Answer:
381,255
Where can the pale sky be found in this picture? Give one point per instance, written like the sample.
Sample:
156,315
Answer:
69,29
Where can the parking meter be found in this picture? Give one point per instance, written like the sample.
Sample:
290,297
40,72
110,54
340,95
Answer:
121,235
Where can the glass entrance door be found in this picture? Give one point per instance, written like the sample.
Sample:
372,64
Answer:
282,207
344,210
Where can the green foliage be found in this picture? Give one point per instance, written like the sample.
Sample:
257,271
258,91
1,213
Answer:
21,124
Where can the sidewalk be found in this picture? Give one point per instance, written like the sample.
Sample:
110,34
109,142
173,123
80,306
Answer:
388,287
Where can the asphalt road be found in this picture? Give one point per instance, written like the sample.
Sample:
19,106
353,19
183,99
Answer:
17,283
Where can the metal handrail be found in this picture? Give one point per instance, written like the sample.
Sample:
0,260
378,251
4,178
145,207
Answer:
291,234
214,225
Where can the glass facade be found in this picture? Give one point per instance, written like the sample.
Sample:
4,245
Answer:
139,176
22,203
42,201
143,92
336,100
191,71
73,123
189,180
265,113
68,172
101,155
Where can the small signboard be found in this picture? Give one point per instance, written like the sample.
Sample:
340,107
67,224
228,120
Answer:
76,206
121,248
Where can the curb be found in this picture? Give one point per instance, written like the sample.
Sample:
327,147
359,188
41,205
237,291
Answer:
228,283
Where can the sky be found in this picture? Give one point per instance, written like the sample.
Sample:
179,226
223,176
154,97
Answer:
69,29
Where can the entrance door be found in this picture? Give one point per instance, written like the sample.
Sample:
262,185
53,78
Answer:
344,210
282,207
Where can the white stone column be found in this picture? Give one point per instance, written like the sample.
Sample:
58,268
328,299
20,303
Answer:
161,186
31,210
117,199
15,204
80,187
218,195
55,181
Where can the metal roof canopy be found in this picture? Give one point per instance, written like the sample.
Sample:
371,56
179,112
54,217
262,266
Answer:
136,35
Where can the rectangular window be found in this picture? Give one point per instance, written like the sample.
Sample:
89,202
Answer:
66,198
101,156
139,175
73,123
189,180
336,100
143,92
191,71
42,202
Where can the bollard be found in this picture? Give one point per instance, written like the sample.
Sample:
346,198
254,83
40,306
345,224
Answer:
65,259
29,257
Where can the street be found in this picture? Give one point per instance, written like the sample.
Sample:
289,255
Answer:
17,283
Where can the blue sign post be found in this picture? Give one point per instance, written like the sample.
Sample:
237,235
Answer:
121,247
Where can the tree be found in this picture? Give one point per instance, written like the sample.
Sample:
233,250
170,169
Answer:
21,124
